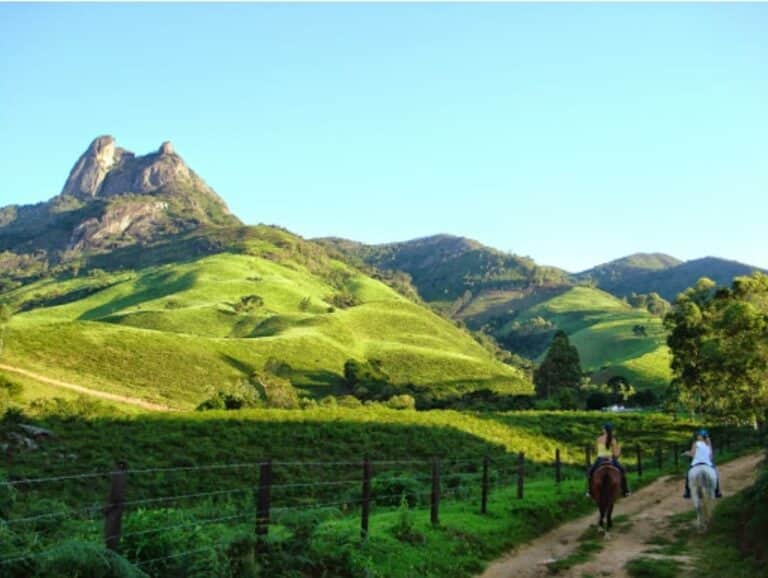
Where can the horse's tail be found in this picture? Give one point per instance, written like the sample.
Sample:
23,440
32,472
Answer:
608,488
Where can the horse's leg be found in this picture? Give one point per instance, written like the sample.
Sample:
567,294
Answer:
610,516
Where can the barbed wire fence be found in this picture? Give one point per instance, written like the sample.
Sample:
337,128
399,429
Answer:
365,485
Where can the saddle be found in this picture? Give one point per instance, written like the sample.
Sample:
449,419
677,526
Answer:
606,465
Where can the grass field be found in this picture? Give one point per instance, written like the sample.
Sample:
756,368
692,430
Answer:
304,539
178,332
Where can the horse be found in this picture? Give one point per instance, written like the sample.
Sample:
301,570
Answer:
604,489
702,479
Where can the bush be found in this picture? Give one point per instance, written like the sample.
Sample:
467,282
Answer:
403,401
248,303
78,408
278,392
598,400
10,388
567,399
204,560
76,559
343,300
645,398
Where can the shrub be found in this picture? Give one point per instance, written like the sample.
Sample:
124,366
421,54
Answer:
597,400
403,401
75,559
278,391
10,388
248,303
343,300
645,398
71,409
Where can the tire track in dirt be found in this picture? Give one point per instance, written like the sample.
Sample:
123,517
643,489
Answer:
648,512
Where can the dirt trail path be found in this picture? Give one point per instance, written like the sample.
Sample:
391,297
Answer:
94,392
648,511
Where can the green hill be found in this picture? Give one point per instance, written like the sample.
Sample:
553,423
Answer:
662,274
178,332
446,268
612,337
522,304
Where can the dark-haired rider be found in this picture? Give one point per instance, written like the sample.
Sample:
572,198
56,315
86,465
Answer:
608,450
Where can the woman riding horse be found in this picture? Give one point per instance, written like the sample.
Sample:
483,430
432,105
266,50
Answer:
701,453
608,452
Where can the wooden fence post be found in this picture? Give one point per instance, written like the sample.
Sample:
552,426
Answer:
484,500
366,506
520,474
262,508
557,467
113,510
639,461
676,453
588,455
434,514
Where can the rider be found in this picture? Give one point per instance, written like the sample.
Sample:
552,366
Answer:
608,451
701,452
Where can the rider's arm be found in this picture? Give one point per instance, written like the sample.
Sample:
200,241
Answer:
691,452
616,449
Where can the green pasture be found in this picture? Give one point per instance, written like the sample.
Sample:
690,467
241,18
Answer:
176,333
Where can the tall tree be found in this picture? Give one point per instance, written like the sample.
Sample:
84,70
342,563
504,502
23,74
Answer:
561,368
719,343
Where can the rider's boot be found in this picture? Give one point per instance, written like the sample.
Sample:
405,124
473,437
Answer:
624,486
717,488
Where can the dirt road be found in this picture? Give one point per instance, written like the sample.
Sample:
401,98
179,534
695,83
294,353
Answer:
94,392
648,511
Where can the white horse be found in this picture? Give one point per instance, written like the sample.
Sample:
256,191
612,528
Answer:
702,479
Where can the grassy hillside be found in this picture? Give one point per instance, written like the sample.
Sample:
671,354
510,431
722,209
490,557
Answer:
602,328
178,332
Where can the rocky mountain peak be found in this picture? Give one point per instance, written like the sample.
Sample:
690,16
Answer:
89,171
107,170
166,148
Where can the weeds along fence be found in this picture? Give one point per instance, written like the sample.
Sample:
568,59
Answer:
122,509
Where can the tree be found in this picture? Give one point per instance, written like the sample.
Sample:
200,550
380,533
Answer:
719,343
561,368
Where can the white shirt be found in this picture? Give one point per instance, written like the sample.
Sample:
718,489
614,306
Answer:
703,454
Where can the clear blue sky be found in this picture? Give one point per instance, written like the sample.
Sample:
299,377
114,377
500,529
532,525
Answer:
571,133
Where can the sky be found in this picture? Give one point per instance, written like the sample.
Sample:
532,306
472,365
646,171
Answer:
571,133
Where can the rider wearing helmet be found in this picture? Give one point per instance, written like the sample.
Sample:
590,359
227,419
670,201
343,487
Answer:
701,452
608,451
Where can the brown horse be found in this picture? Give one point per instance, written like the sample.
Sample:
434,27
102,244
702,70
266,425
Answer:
604,489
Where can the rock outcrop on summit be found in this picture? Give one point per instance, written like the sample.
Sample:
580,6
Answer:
105,169
112,198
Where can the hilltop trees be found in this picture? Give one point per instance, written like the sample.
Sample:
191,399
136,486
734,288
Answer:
719,342
560,372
